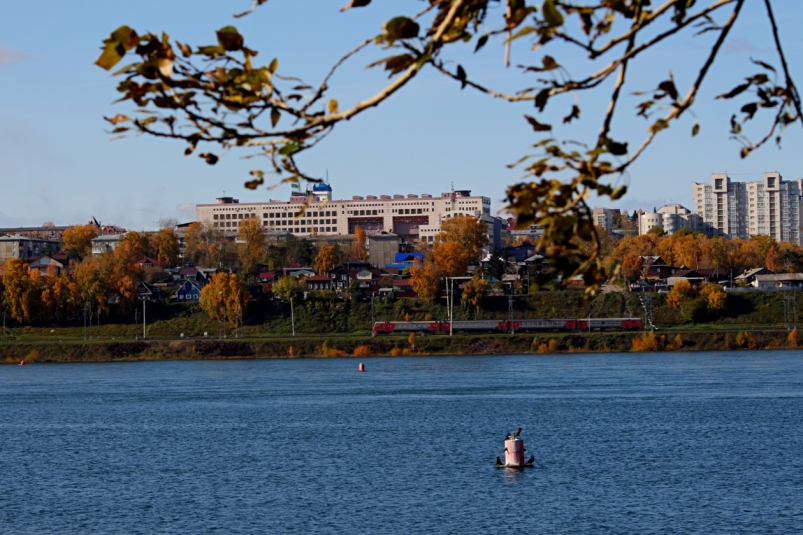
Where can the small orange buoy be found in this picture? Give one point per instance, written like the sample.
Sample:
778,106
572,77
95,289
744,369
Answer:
362,367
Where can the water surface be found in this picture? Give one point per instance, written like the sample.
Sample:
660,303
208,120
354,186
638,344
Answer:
670,443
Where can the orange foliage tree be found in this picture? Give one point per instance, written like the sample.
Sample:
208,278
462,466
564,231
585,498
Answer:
451,259
78,238
424,279
359,250
326,260
466,230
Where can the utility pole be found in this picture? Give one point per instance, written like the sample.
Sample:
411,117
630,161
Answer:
4,325
510,311
372,314
451,305
292,317
143,318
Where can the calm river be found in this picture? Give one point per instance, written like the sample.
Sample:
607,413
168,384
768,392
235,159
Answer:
670,443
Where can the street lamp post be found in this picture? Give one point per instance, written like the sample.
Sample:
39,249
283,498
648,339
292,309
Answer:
372,314
292,317
143,318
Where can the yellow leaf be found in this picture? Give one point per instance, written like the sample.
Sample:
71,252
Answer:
332,106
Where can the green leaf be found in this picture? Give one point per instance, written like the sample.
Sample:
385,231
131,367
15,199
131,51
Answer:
735,91
211,50
275,115
229,38
115,46
355,3
616,148
273,65
481,42
210,158
552,16
461,75
541,99
657,126
538,127
400,28
575,114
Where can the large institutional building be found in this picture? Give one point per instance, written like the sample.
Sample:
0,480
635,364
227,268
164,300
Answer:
742,209
413,217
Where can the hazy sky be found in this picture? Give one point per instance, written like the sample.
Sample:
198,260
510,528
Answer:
57,163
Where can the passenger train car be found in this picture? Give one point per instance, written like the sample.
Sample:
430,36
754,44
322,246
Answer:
524,325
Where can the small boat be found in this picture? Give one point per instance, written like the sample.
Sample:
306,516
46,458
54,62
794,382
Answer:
514,453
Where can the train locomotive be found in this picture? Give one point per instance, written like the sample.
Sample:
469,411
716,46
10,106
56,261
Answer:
505,326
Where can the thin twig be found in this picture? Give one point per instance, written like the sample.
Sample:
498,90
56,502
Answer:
789,83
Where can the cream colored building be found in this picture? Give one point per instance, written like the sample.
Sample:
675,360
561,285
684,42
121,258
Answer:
413,217
769,207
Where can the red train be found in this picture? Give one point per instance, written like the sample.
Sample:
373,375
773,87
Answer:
502,326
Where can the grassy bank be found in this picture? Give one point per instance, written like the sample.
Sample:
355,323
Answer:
365,346
320,316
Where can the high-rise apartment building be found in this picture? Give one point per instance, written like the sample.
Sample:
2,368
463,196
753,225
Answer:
770,207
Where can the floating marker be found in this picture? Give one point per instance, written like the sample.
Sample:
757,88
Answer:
362,367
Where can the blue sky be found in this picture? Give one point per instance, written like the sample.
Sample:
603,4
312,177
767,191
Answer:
57,163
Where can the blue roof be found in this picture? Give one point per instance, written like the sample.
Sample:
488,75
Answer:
408,257
321,187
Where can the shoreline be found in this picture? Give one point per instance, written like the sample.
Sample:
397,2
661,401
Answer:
362,346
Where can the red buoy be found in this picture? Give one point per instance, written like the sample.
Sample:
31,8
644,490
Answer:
362,367
22,363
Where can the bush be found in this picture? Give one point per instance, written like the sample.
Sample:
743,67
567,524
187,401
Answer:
792,338
327,351
694,310
395,352
362,351
646,342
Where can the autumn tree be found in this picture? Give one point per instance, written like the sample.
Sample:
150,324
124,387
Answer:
681,290
78,239
133,247
252,248
359,250
222,95
466,230
451,259
326,260
16,282
474,291
715,297
424,279
193,241
167,248
224,296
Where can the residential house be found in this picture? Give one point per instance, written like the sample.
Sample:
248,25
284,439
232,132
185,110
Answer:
779,281
42,263
318,283
148,292
654,268
148,262
748,277
188,292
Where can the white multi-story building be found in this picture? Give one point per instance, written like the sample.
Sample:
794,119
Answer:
770,207
671,218
413,217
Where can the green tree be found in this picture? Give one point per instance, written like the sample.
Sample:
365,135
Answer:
289,288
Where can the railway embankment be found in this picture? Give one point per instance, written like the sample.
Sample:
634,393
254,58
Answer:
411,345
